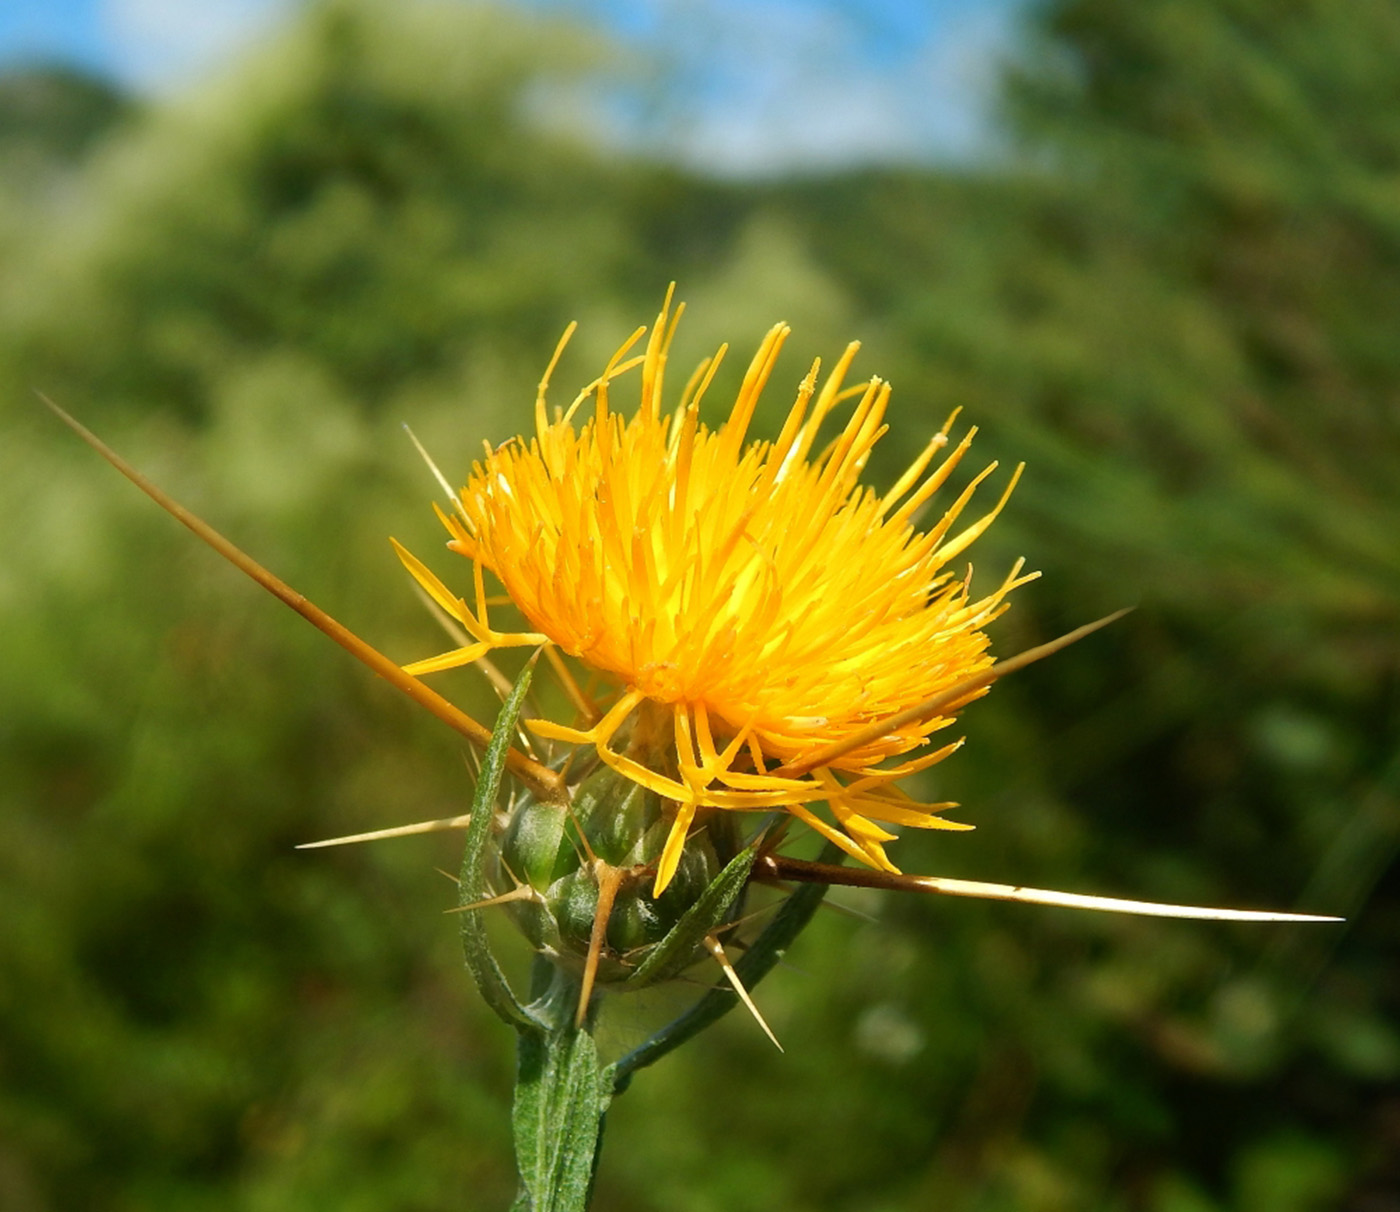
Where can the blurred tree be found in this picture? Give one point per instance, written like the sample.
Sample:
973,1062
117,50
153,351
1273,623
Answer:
51,117
368,194
57,111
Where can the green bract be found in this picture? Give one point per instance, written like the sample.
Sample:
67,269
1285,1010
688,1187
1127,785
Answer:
613,825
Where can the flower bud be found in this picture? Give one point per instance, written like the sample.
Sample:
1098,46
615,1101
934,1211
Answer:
612,829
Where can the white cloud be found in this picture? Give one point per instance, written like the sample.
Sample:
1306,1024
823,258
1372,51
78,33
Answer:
160,43
768,86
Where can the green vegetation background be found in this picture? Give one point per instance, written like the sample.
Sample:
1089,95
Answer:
1176,295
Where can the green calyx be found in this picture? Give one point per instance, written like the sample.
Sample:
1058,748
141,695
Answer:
608,839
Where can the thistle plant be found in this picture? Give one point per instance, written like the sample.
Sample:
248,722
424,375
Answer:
749,639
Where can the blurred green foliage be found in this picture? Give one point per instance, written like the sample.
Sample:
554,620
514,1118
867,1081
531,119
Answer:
1177,297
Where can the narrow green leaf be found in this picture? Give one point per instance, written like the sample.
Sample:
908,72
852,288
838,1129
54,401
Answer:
711,911
561,1094
475,885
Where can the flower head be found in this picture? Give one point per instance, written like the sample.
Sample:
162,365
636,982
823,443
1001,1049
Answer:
756,608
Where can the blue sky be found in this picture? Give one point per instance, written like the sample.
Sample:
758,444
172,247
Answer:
764,85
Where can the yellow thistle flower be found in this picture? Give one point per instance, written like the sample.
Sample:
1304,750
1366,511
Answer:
776,634
757,608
